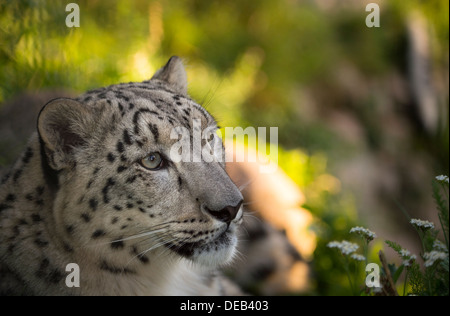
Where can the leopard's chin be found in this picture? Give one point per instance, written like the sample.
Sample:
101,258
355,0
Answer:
217,252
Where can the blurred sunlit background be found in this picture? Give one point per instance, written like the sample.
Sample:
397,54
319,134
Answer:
362,113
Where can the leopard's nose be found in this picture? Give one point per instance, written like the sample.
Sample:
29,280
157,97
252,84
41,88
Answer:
227,214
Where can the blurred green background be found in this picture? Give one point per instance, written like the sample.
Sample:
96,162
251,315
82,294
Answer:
362,113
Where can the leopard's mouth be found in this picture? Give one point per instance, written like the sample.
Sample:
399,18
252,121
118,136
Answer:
223,243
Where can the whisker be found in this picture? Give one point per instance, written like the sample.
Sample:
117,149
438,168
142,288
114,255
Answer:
239,256
211,94
141,235
160,244
183,242
245,185
151,248
253,217
248,212
246,231
148,231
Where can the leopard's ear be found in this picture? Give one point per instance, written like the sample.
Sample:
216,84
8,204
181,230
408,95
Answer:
174,74
63,127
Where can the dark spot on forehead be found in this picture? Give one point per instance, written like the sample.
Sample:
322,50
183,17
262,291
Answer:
11,248
111,157
98,233
154,129
105,189
36,218
4,207
131,179
121,168
105,266
5,177
93,203
40,190
67,247
28,155
40,242
139,143
86,217
69,229
120,147
23,222
117,244
10,198
17,175
142,258
126,137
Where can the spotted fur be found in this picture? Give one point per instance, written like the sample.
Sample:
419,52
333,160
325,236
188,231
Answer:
78,194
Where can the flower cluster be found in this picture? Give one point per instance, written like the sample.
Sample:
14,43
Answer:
433,256
420,224
439,246
407,257
357,257
364,232
442,178
344,246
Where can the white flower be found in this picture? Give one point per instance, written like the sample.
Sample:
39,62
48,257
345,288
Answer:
364,232
422,224
405,253
357,257
409,261
407,257
439,246
442,178
344,246
433,256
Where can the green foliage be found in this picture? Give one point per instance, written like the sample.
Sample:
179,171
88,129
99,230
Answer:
417,280
249,63
442,205
433,279
394,246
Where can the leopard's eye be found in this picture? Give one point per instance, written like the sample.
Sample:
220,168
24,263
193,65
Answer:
153,161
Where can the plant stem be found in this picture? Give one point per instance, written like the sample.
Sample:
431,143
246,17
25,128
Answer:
347,269
446,192
422,238
406,282
366,251
428,274
444,187
391,290
443,230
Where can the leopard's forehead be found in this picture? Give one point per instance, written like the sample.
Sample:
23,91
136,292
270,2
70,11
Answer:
150,97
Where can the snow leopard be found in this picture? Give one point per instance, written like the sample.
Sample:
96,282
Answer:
97,193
